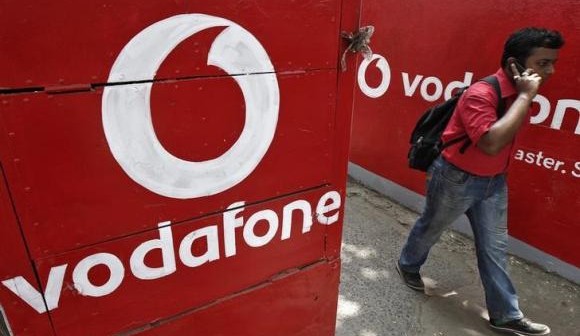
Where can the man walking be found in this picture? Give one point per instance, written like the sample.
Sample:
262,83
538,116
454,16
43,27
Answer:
472,180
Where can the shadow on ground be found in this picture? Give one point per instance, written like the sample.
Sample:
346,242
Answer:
373,301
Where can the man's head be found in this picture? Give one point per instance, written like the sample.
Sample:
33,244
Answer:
535,48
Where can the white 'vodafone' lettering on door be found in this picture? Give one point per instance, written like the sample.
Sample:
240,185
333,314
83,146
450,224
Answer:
327,212
432,87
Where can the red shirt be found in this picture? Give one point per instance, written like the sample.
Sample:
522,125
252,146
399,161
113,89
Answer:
475,114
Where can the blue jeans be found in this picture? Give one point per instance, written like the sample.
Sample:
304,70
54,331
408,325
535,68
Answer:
452,192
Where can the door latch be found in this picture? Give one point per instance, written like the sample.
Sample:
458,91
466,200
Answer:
358,42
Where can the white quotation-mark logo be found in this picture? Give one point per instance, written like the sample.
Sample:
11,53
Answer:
127,113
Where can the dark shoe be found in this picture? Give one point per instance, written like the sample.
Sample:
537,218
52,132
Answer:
522,326
412,280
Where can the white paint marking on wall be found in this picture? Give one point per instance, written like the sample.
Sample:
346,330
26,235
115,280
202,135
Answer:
327,209
212,253
287,218
383,66
322,208
127,112
163,244
561,108
544,111
250,236
24,290
83,284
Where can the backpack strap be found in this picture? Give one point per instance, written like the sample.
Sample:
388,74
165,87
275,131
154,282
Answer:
499,111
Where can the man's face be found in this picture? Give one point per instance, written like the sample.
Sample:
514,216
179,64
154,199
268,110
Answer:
542,60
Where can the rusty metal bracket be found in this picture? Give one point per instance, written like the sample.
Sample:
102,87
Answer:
358,42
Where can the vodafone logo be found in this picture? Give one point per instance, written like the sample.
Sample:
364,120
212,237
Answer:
126,111
432,89
383,66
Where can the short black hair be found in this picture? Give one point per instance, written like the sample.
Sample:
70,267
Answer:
521,43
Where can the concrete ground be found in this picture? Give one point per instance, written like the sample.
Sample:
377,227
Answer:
373,301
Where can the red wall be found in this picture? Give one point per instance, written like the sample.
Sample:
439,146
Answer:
97,239
434,43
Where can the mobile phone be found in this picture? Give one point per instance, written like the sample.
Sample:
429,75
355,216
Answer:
520,67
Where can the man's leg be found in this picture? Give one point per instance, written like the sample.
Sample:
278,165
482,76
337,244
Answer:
489,223
447,199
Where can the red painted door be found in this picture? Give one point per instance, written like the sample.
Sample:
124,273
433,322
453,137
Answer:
173,164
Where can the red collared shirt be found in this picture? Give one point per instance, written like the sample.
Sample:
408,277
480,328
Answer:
475,114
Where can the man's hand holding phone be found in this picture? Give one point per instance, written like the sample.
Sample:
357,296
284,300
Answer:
527,81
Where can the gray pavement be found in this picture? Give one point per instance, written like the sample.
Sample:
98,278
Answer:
373,301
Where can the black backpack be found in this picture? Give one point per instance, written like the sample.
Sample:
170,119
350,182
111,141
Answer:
426,144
